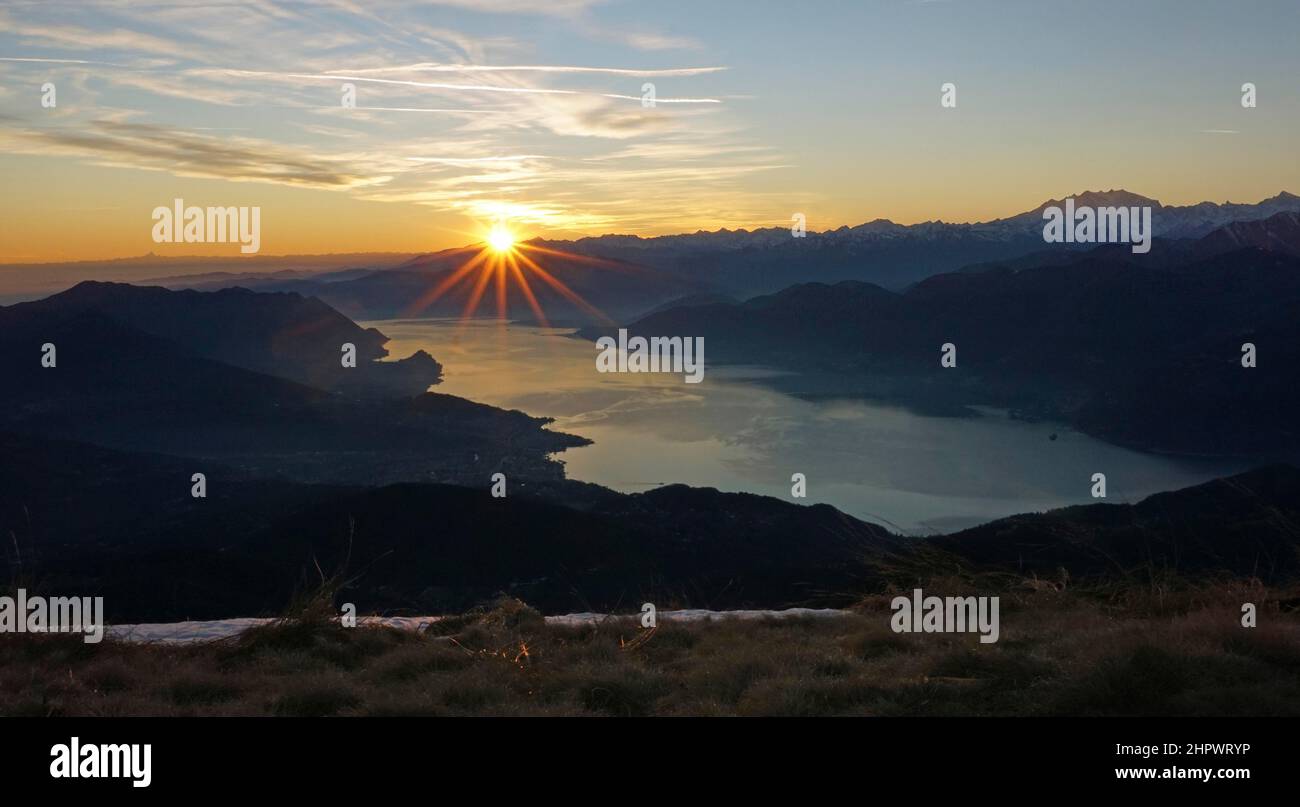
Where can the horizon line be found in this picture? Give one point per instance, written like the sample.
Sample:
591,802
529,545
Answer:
753,229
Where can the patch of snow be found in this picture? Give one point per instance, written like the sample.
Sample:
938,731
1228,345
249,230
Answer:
210,630
697,615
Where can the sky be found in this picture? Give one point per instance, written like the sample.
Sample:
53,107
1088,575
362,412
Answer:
534,113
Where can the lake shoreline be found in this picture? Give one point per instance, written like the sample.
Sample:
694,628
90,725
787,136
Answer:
750,428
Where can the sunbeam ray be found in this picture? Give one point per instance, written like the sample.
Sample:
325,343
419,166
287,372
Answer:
568,293
430,297
527,290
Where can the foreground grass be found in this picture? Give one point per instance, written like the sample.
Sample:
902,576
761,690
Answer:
1059,653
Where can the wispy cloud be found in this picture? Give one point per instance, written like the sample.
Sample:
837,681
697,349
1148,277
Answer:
75,37
185,153
55,61
512,158
555,8
434,85
428,67
471,123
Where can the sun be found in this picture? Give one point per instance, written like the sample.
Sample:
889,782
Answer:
503,261
500,239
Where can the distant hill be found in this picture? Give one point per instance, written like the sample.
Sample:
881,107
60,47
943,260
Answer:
122,526
1245,526
286,334
29,281
151,370
1277,233
613,288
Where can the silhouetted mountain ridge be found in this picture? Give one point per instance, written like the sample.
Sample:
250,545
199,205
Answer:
628,275
119,386
1245,526
1140,352
123,527
283,334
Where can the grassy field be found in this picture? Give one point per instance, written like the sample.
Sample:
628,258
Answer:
1086,653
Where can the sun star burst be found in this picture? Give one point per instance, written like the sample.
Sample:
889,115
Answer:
501,263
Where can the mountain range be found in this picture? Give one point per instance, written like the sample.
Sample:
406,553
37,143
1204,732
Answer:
81,519
888,254
1142,350
625,275
306,477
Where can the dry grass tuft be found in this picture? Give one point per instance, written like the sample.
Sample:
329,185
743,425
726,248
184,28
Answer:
1150,650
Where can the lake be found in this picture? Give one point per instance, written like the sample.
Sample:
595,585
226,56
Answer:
911,472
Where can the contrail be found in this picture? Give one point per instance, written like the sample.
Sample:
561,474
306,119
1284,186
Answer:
55,61
434,67
432,85
427,109
472,160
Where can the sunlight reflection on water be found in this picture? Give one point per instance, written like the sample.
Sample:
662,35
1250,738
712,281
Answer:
878,462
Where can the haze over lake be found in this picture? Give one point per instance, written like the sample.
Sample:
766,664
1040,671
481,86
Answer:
882,463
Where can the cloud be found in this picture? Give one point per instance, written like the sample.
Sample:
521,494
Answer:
549,8
76,38
641,39
471,124
436,85
605,120
445,110
174,85
55,61
429,67
184,153
652,41
513,158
